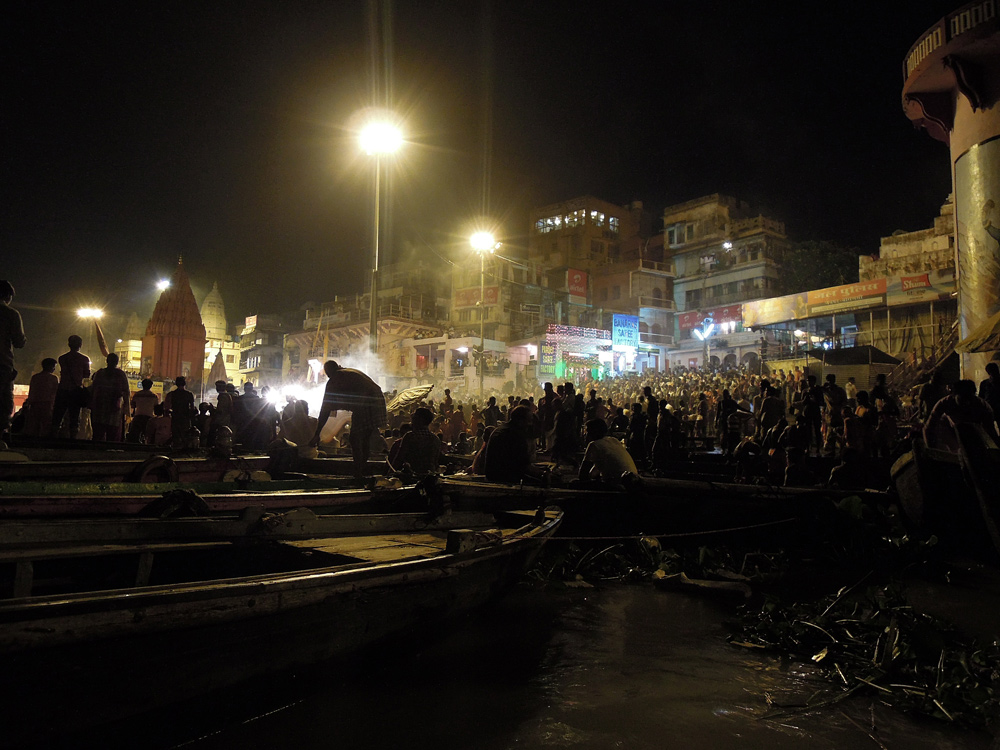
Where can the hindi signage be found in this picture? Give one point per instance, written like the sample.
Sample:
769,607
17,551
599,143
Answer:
470,296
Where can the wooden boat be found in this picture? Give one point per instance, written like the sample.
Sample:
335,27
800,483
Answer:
102,619
161,499
658,507
953,494
113,466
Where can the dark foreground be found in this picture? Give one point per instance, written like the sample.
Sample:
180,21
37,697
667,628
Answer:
618,666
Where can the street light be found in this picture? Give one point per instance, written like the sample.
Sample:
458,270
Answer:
485,244
163,284
377,139
94,314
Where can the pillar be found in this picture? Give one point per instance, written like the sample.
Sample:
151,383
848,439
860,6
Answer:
952,89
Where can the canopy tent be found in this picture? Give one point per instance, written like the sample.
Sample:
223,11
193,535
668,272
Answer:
863,363
408,396
984,338
854,355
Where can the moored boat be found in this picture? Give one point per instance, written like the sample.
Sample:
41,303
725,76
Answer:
657,507
106,619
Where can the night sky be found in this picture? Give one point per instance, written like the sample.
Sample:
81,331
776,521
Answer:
225,132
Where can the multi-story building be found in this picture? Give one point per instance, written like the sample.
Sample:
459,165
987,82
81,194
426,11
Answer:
724,255
603,261
261,350
413,321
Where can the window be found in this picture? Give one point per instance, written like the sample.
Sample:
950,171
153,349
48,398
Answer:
613,224
706,263
230,358
689,232
597,218
604,294
616,292
596,247
464,316
576,218
541,227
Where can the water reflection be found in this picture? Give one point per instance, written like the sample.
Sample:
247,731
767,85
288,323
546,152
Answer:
619,666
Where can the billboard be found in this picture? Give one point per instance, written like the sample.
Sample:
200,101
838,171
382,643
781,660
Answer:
470,296
547,358
847,297
624,332
576,284
929,286
726,314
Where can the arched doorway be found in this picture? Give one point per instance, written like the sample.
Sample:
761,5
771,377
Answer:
729,362
751,361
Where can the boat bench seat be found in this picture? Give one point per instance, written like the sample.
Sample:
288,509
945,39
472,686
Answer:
24,559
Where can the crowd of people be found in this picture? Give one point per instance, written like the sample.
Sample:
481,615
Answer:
767,424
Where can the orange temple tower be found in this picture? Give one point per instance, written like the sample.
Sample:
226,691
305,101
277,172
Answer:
174,342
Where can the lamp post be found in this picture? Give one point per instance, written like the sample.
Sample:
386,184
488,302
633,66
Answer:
703,335
93,314
377,139
483,243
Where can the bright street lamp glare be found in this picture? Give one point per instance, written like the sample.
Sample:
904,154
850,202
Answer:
381,138
162,284
89,312
482,241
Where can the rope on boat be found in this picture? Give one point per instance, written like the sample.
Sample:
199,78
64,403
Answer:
681,535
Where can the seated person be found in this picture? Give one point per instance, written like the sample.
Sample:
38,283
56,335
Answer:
797,473
508,454
851,473
419,448
605,457
158,430
479,462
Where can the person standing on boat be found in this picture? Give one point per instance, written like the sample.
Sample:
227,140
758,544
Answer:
179,406
11,338
109,397
41,399
142,411
71,396
353,391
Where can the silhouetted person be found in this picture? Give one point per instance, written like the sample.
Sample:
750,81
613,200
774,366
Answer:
142,410
11,338
179,405
108,401
352,390
41,399
71,396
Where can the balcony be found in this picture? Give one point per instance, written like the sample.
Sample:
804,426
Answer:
656,339
661,269
659,303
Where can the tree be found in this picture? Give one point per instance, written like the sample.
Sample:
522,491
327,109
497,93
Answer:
818,264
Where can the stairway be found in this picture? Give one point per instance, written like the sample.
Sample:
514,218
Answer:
908,374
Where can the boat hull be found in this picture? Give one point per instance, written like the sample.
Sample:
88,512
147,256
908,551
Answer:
91,659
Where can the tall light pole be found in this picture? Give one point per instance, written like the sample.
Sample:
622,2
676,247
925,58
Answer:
377,139
93,314
485,244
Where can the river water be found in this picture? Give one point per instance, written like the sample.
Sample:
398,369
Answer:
618,666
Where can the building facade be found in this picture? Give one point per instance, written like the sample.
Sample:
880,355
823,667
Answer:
724,255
